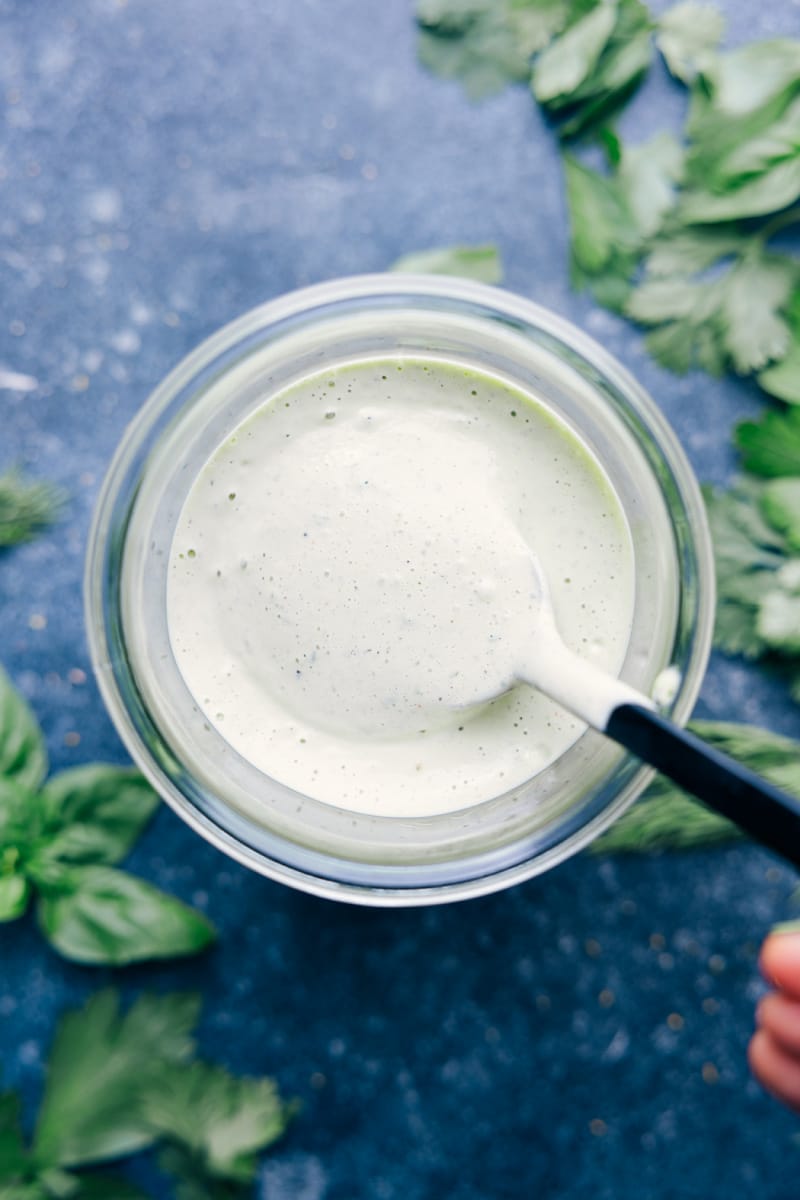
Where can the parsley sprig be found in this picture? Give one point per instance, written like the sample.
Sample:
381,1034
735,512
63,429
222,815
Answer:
756,530
60,840
675,234
118,1084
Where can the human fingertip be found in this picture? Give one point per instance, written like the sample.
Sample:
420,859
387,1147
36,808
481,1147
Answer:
779,961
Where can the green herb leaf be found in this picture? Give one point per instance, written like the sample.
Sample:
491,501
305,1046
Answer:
22,751
771,446
776,189
101,1186
749,553
99,812
99,1065
734,318
608,61
13,1155
744,157
191,1182
688,35
25,508
101,915
690,252
14,896
486,44
605,244
667,819
470,262
22,824
780,504
567,62
783,379
58,1184
778,621
223,1121
744,80
647,176
755,293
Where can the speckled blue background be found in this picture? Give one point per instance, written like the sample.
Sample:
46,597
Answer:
165,166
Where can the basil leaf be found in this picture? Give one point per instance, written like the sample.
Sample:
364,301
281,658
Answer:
58,1184
22,821
22,751
13,1155
23,1191
100,1186
100,915
101,811
15,892
98,1066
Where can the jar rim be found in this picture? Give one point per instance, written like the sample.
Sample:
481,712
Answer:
109,528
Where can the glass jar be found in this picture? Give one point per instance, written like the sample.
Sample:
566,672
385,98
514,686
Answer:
259,821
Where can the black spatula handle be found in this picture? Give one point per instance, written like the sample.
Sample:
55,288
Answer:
769,815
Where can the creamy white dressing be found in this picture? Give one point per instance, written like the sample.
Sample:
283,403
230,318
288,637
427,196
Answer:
355,574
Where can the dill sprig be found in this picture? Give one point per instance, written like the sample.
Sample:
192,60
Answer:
26,507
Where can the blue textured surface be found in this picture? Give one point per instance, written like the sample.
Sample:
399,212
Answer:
165,167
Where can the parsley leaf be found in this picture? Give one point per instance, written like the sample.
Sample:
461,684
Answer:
783,378
648,175
749,554
595,66
687,36
604,245
223,1122
118,1084
733,318
99,1064
780,504
611,216
771,446
486,44
744,129
25,507
667,819
756,528
470,262
568,61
